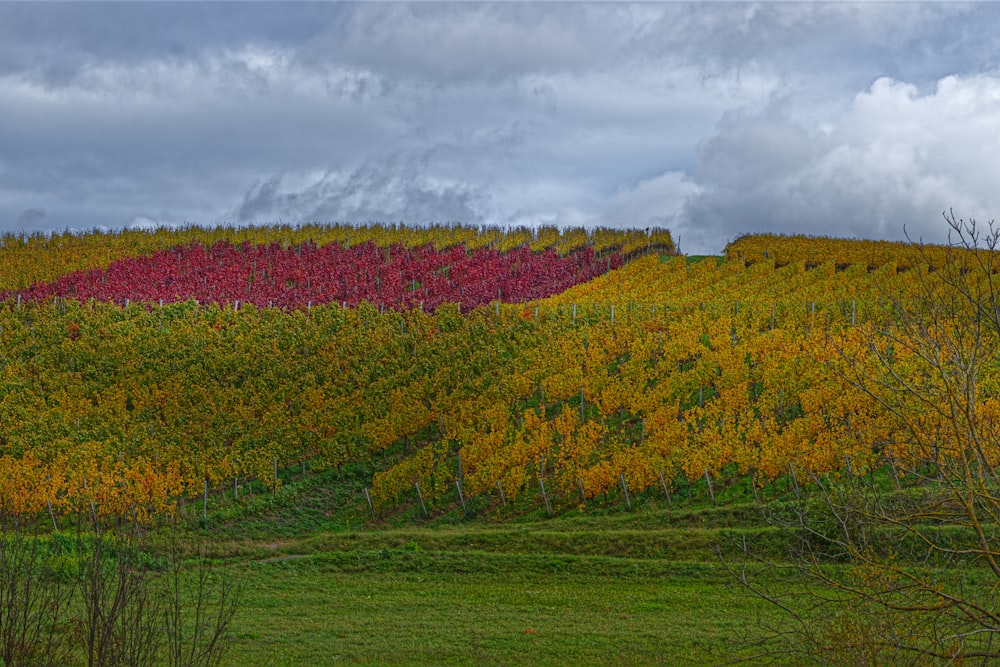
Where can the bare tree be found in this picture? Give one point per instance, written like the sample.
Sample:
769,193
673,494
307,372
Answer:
199,606
908,572
121,612
138,612
34,600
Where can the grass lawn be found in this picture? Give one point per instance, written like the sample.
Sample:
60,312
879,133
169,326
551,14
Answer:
317,610
607,586
323,584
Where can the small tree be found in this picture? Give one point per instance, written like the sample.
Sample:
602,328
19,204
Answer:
136,614
121,613
108,599
197,616
907,574
34,600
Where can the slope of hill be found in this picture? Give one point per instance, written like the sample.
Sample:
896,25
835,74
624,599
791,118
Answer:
649,375
531,421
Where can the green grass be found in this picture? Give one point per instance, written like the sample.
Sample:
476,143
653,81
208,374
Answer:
415,608
694,259
326,584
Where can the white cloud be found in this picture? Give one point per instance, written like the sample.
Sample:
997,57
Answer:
653,202
895,158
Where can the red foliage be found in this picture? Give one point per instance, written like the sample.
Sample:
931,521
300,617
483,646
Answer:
392,277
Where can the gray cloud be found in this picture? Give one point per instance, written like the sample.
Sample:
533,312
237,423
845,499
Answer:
57,40
824,44
467,42
895,159
29,218
400,189
260,200
714,118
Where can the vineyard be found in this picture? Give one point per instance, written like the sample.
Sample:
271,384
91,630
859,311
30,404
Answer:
538,367
269,276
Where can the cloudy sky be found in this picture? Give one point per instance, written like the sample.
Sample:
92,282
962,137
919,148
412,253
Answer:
711,119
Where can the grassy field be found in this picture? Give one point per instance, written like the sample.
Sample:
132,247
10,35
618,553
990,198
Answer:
325,585
322,583
399,607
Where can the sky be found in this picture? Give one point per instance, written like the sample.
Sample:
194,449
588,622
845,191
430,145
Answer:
712,119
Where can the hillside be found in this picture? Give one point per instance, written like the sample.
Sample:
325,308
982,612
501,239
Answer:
341,403
648,375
